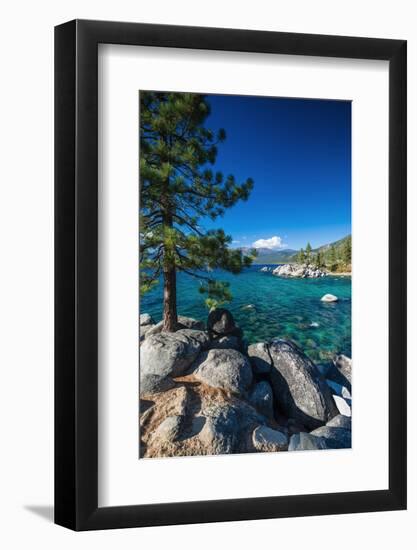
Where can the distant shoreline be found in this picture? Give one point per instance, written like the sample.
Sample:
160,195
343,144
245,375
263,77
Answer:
274,263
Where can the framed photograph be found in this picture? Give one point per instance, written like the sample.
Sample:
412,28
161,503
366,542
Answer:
230,244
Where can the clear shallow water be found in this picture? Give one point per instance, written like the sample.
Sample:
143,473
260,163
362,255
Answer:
280,308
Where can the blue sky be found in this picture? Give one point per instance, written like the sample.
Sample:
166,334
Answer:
298,152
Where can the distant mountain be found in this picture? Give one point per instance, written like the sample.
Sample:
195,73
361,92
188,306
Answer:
268,256
337,244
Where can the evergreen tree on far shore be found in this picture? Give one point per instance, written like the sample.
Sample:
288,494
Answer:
347,251
308,253
332,258
301,256
319,260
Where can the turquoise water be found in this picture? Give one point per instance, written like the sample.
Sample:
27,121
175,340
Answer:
279,308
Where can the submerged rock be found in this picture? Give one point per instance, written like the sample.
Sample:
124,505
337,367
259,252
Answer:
299,387
248,307
227,369
268,440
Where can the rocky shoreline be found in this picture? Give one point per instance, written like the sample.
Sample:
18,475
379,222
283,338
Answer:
301,271
204,392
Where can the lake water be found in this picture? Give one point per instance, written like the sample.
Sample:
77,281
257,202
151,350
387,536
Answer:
266,307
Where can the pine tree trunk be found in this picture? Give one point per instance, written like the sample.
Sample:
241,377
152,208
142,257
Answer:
170,275
170,300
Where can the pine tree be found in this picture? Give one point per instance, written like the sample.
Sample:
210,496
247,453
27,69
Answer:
178,188
308,253
347,251
301,256
319,261
332,258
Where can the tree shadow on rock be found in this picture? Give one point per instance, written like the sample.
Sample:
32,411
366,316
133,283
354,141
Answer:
192,423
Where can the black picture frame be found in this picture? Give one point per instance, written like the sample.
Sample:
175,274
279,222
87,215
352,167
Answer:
76,271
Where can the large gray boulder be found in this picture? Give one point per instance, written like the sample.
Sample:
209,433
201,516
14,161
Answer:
189,322
228,427
344,364
294,427
261,398
306,442
200,336
335,438
144,331
324,368
154,383
299,388
145,319
340,421
340,371
169,430
299,271
227,369
168,353
183,323
145,325
153,329
343,405
268,440
220,431
260,358
338,389
226,342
